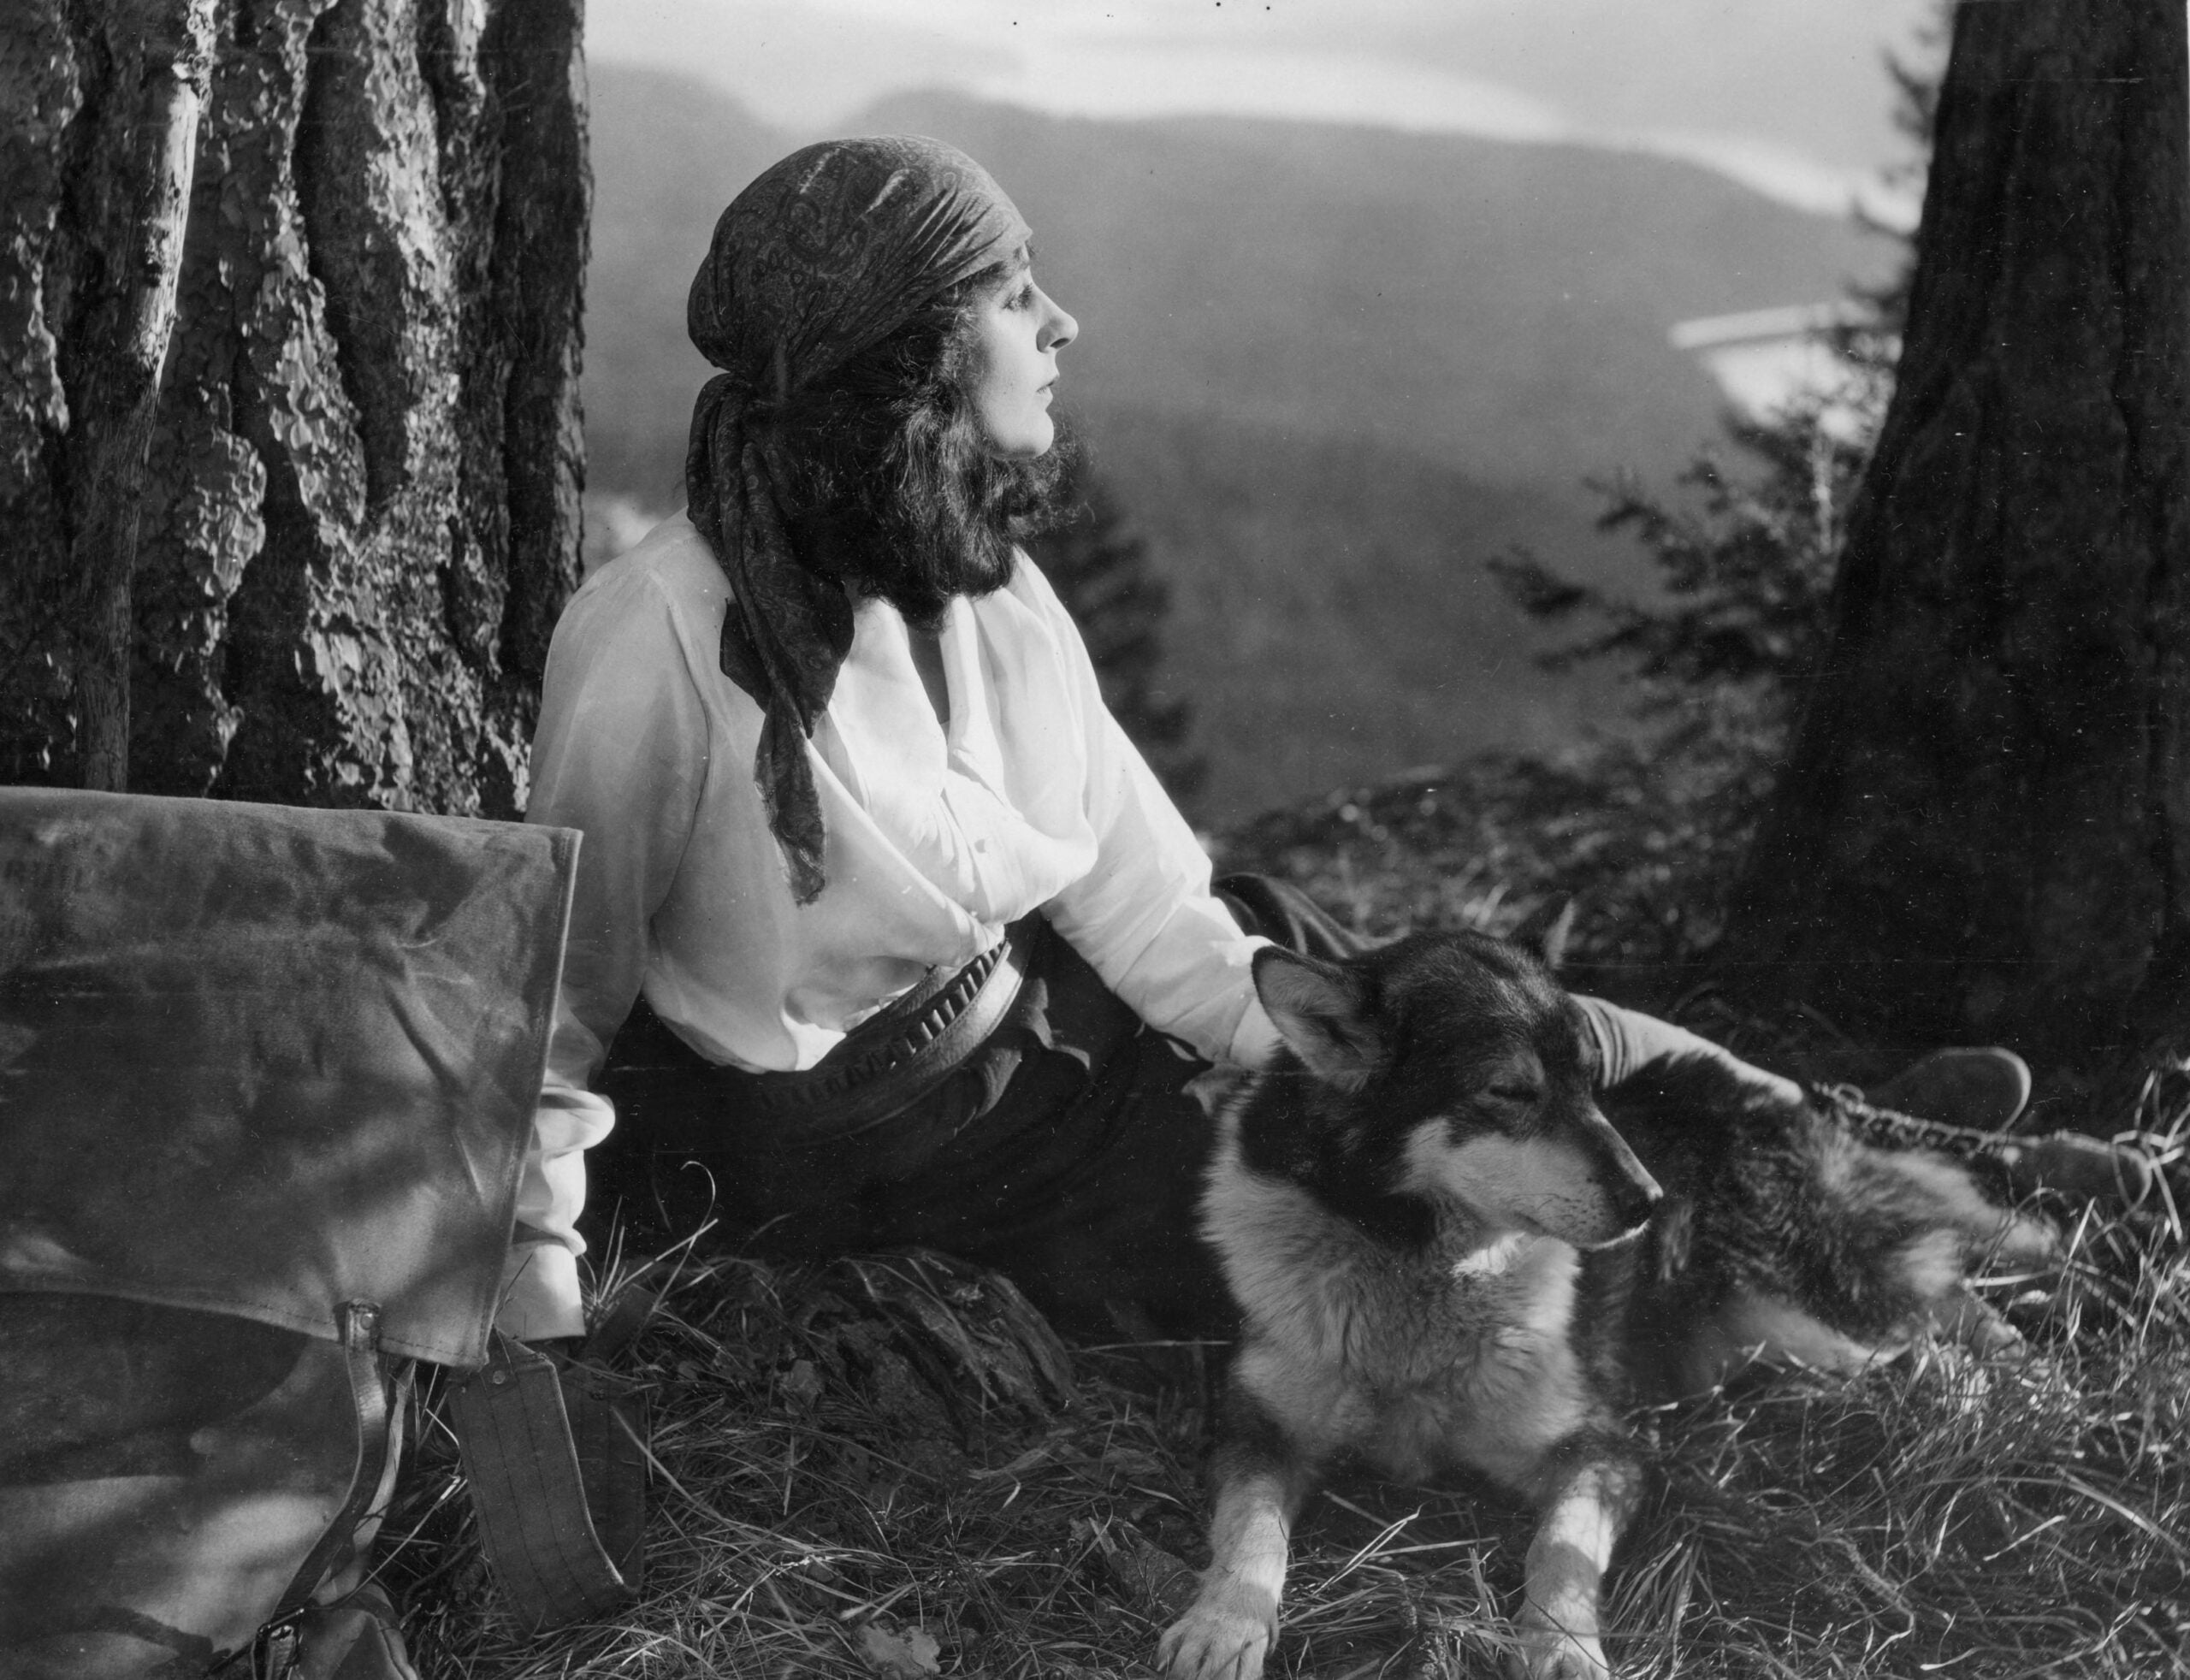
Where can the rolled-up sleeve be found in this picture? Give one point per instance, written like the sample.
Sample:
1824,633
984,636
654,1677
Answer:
619,755
1628,1042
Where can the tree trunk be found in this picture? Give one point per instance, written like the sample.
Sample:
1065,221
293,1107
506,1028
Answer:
357,512
1980,833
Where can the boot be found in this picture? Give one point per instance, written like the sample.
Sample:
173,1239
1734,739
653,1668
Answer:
1984,1090
1957,1100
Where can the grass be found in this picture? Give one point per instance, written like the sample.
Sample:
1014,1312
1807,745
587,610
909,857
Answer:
890,1466
843,1491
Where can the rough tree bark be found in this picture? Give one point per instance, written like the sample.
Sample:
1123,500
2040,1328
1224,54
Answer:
354,500
1981,830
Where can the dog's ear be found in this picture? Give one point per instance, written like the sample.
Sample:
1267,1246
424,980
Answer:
1544,932
1321,1009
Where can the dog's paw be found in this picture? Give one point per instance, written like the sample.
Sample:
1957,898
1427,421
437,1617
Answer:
1223,1637
1552,1654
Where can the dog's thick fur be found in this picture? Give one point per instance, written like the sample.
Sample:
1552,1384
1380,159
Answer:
1447,1259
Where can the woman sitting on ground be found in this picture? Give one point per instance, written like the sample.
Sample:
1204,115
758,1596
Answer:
921,951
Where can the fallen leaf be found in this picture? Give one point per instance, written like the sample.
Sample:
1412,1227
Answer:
802,1384
1126,1463
1153,1578
897,1656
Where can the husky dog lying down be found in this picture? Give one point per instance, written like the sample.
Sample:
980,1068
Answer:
1448,1258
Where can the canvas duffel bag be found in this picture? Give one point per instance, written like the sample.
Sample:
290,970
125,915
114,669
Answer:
267,1079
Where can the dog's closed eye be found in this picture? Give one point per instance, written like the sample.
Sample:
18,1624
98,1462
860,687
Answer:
1515,1092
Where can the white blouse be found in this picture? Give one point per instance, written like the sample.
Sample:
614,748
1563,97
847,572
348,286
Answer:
1031,799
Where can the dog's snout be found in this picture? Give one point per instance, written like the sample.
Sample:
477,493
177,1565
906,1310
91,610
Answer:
1631,1189
1637,1198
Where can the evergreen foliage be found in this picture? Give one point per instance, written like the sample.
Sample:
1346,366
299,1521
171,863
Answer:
1746,551
1720,660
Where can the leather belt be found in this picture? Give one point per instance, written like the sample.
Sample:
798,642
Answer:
891,1061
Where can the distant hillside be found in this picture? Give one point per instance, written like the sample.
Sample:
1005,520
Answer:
667,155
1329,370
1331,617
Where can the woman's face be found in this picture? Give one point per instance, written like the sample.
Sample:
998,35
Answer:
1018,330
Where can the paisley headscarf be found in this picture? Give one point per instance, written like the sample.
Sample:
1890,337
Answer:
822,257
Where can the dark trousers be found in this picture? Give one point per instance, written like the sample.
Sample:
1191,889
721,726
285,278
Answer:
1066,1151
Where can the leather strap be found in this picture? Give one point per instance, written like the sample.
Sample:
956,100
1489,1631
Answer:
360,1323
608,1433
528,1489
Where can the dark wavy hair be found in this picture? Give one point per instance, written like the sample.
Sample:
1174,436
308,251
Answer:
887,484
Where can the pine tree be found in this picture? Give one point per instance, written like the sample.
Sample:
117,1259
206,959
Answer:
289,446
1979,830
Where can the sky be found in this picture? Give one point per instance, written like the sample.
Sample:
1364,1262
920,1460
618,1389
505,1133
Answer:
1788,96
